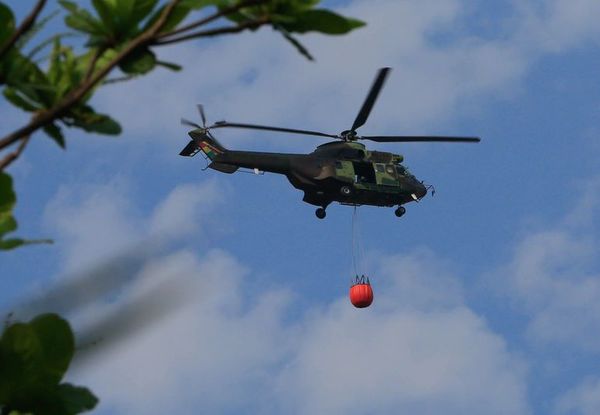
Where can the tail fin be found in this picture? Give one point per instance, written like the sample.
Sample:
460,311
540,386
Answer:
202,141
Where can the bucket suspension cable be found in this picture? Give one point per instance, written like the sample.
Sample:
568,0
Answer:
357,247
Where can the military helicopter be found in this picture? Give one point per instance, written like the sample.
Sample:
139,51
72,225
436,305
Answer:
341,171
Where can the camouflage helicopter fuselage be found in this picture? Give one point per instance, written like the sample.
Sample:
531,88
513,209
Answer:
339,171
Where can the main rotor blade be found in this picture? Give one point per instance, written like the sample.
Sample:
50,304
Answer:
189,123
364,112
268,128
202,116
416,138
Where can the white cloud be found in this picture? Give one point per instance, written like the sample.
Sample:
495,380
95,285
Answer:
584,399
401,361
211,354
186,207
96,222
552,276
232,347
93,222
419,281
556,25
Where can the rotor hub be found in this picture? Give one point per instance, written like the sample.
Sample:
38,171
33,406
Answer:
349,135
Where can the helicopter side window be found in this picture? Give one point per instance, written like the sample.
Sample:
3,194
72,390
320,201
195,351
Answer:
364,172
379,168
401,170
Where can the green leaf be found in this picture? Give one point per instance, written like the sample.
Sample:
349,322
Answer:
12,243
106,13
123,10
76,399
142,8
38,351
84,24
7,195
42,45
14,97
26,77
65,71
102,124
22,355
58,345
23,74
200,4
122,18
178,14
68,5
7,23
169,65
324,21
86,118
139,62
55,133
81,20
8,223
35,357
55,69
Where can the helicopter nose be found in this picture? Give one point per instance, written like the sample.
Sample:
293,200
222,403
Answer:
419,190
422,191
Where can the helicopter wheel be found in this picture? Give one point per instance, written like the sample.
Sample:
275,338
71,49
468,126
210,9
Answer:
320,212
400,211
346,190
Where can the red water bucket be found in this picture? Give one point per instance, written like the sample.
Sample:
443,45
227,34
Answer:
361,293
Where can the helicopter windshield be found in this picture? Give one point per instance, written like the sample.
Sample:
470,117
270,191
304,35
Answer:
402,170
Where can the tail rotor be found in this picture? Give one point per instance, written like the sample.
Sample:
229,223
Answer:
189,123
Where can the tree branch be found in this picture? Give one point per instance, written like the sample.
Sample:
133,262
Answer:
221,13
45,117
9,158
25,26
215,32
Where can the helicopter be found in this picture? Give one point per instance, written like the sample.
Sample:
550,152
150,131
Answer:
342,171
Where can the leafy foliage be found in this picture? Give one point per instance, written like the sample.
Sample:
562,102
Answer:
34,357
110,26
7,23
124,34
297,16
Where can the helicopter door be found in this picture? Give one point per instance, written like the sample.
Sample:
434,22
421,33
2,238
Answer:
364,172
386,175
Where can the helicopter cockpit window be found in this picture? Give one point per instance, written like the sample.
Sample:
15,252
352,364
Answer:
401,170
379,168
390,170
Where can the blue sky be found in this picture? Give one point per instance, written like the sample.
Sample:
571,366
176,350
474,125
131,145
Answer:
486,295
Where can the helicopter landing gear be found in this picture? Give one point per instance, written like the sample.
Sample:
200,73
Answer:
346,190
320,212
400,211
